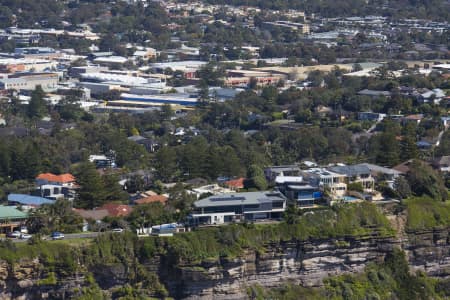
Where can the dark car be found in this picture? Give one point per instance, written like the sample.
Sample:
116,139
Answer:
57,235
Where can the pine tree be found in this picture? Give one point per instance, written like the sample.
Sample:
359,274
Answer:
92,190
37,107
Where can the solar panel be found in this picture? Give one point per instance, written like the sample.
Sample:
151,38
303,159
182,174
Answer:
228,199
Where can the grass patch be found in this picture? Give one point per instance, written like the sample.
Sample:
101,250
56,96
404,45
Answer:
425,213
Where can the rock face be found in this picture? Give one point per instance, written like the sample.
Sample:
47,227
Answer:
306,263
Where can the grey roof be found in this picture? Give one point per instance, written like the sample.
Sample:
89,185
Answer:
353,170
239,199
374,93
380,169
443,161
283,168
136,138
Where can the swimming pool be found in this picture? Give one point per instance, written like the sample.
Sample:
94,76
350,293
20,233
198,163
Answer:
349,198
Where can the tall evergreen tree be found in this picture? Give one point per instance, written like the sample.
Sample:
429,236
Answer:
92,190
37,106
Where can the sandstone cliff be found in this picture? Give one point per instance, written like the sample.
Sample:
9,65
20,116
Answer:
306,263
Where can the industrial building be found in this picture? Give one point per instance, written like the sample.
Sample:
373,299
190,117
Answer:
29,81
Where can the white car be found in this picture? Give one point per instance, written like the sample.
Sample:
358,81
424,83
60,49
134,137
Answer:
117,230
14,234
25,236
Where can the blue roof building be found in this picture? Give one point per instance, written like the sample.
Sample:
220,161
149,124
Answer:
29,200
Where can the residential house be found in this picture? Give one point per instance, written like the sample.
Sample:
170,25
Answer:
149,144
417,118
371,116
382,173
28,200
54,187
66,179
11,218
235,184
403,167
442,163
327,180
374,94
92,214
152,199
117,210
298,190
435,96
237,207
211,189
273,172
445,121
103,161
356,174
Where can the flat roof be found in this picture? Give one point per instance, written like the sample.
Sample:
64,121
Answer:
231,199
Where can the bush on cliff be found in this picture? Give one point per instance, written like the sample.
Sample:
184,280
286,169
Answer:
230,241
425,213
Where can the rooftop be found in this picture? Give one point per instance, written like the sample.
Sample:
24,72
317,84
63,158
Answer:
63,178
352,170
152,199
29,200
116,210
11,212
231,199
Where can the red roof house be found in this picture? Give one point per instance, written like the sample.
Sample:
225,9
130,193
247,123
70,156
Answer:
235,184
116,210
151,199
49,178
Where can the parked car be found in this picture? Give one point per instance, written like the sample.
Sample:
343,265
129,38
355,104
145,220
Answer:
117,230
57,235
13,234
25,236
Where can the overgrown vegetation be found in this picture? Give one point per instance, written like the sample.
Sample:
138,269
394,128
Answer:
230,241
426,213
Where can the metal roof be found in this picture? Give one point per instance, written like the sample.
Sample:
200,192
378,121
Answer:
380,169
248,198
29,200
11,212
353,170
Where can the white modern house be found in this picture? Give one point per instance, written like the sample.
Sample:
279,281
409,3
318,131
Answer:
327,180
237,207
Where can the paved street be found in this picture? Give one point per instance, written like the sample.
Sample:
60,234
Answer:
66,236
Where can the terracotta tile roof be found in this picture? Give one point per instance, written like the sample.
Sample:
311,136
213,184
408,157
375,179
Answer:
63,178
414,117
235,183
117,210
151,199
94,214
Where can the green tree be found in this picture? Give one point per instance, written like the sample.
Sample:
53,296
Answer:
37,107
257,178
147,215
426,181
92,190
166,163
402,187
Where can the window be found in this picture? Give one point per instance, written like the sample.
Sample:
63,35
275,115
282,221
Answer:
277,204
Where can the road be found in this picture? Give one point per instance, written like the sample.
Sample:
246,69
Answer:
68,236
